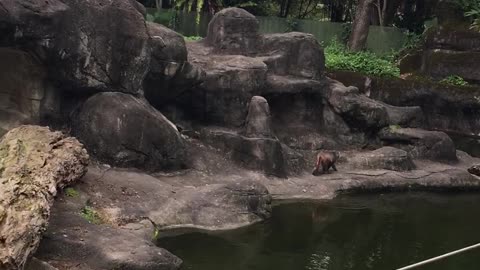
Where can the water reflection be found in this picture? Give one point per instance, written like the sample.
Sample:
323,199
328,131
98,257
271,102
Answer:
350,233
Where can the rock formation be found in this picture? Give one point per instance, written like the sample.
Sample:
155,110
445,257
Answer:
128,132
450,48
72,50
34,163
420,143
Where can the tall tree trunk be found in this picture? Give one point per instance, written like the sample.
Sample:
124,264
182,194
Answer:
287,8
361,25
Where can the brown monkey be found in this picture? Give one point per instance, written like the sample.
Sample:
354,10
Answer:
326,160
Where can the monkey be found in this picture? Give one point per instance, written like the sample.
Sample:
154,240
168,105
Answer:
326,160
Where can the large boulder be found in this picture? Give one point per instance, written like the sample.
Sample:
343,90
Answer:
125,131
297,54
233,31
81,43
420,143
34,163
259,122
356,109
170,73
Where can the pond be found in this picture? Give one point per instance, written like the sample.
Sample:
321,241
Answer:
358,232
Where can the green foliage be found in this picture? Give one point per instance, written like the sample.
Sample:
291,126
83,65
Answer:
472,10
156,234
413,41
454,80
339,58
91,215
193,38
71,192
394,127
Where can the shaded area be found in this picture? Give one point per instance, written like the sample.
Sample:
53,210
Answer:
350,232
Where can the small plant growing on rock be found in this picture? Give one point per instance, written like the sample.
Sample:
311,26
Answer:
192,38
71,192
454,80
91,215
394,127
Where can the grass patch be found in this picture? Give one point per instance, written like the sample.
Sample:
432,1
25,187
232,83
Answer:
394,127
71,192
454,80
91,215
192,38
339,58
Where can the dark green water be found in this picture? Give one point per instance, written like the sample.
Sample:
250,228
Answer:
361,232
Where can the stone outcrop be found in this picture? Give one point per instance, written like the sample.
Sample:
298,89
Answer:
233,31
128,132
80,43
361,112
170,72
34,163
475,169
216,207
295,54
451,48
387,158
259,122
241,63
420,143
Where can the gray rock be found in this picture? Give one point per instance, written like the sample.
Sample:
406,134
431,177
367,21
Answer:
23,89
216,207
124,131
36,264
259,122
420,143
80,43
411,116
233,31
445,107
296,54
277,84
443,63
170,73
475,169
359,111
83,245
388,158
231,81
458,40
261,154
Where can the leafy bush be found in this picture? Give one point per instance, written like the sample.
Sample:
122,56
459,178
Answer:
454,80
71,192
339,58
91,215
